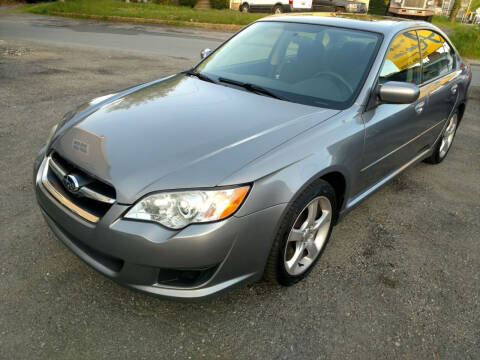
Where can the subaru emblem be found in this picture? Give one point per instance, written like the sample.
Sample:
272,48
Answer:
71,183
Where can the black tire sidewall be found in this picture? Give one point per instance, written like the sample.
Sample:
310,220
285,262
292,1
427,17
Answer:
277,7
435,158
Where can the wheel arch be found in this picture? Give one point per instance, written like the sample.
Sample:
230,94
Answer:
336,176
461,111
339,183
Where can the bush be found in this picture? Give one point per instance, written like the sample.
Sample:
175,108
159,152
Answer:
220,4
378,7
190,3
169,2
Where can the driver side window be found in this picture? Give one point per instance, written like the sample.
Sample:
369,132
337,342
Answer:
403,60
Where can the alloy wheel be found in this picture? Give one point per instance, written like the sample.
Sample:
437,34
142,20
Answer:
308,236
448,134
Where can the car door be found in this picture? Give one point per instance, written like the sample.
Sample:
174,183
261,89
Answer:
392,131
439,81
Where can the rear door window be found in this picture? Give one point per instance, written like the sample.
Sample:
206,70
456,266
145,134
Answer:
403,60
438,57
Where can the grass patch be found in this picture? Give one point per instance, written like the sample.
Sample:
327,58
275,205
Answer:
467,41
466,38
172,14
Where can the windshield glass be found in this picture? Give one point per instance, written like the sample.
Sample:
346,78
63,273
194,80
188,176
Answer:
308,64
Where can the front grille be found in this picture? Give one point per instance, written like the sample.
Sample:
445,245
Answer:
414,3
80,192
93,183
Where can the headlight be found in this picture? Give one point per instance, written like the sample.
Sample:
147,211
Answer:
430,3
51,133
176,210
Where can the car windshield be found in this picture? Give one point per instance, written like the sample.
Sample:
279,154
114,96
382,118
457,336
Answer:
308,64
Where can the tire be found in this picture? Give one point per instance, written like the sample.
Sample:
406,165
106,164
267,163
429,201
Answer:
278,9
283,252
439,150
244,8
339,9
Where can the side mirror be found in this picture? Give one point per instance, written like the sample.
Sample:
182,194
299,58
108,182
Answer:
394,92
204,53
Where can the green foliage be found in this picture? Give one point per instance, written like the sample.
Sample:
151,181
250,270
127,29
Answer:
466,38
220,4
189,3
378,7
475,5
467,41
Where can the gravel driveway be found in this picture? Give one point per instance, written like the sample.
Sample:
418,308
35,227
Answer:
400,278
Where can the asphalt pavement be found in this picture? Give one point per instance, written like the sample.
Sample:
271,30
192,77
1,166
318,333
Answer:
159,40
400,278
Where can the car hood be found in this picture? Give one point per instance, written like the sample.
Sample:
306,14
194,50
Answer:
177,133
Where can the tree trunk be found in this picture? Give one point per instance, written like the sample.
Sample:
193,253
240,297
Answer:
456,7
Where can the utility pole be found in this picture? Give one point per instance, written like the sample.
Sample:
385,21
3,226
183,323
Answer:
465,15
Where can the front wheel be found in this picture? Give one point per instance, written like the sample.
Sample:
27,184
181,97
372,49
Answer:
339,9
244,8
277,9
444,144
302,235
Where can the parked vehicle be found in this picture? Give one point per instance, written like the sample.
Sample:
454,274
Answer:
412,9
339,6
239,168
275,6
285,6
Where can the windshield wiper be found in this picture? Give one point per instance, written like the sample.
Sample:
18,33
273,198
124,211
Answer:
200,76
251,87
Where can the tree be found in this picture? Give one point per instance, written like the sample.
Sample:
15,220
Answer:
454,12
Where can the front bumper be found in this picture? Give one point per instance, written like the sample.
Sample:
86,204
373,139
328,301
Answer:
138,254
411,12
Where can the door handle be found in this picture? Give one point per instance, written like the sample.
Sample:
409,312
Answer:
453,89
419,107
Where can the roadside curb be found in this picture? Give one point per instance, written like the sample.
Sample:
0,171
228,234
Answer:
473,62
474,92
222,27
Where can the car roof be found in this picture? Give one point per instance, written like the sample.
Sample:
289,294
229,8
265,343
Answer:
379,24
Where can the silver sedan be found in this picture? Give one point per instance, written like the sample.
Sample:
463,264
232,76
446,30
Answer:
239,168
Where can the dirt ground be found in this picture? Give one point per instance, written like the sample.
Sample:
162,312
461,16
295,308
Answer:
400,278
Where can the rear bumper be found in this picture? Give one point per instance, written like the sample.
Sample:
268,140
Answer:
411,12
138,254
